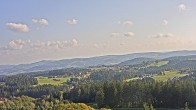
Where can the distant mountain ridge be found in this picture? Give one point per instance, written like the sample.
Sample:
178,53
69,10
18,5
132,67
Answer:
136,61
86,62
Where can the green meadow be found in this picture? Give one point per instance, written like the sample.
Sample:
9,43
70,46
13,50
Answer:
168,75
52,81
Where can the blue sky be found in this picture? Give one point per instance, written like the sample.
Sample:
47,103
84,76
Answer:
37,30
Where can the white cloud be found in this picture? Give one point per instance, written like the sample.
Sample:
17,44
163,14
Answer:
165,22
40,21
18,27
72,21
182,7
114,34
128,23
161,35
27,44
129,34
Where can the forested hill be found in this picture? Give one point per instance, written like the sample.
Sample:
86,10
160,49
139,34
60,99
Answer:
86,62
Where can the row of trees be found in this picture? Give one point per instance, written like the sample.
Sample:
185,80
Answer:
28,103
60,72
15,83
111,74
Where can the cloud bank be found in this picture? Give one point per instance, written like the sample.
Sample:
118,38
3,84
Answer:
28,44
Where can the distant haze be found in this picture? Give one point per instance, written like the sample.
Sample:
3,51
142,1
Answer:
93,61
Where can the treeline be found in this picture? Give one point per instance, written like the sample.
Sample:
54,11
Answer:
19,85
28,103
171,94
20,81
41,90
111,74
60,72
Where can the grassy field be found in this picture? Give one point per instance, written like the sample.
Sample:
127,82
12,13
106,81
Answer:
168,75
158,64
53,81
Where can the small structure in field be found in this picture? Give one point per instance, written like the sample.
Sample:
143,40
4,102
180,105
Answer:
56,79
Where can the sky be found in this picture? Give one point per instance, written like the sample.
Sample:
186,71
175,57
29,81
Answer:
35,30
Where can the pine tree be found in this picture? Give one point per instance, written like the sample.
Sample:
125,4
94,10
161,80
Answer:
99,98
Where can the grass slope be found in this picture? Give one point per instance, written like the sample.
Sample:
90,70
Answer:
168,75
158,64
52,81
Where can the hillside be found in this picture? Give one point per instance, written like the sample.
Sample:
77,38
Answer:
86,62
136,61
